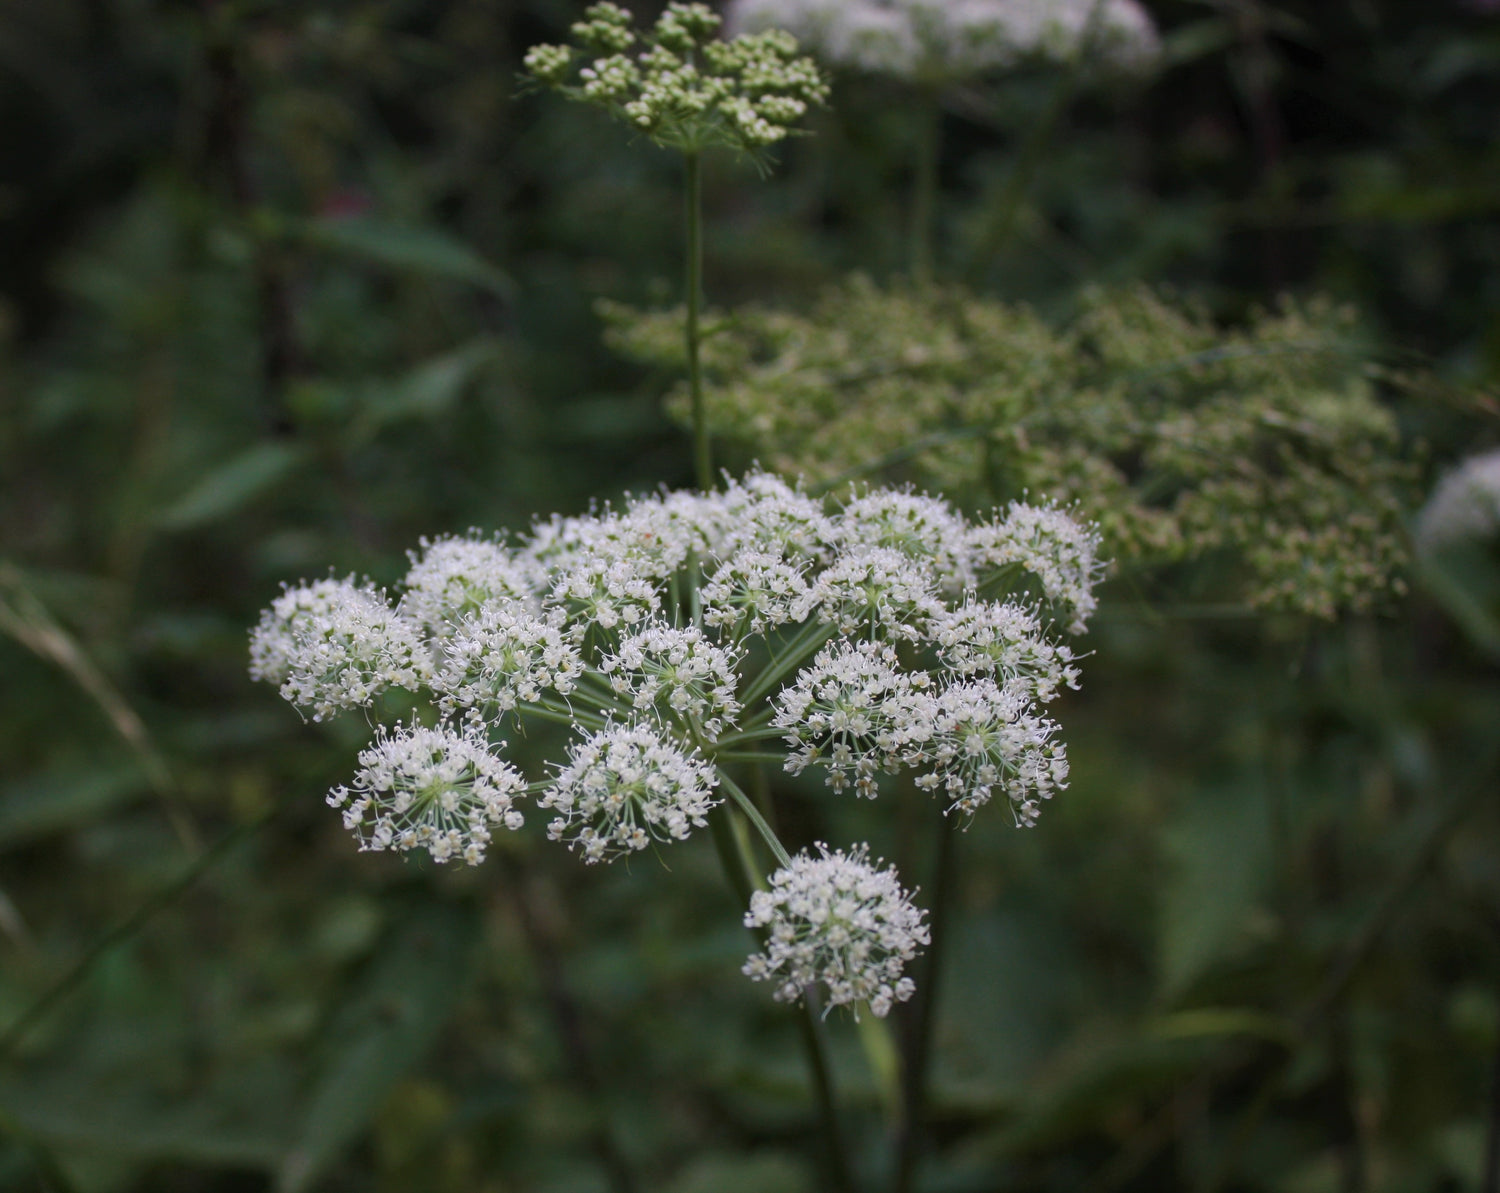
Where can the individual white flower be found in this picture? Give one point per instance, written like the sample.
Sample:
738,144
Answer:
454,577
838,920
504,657
678,674
922,528
433,789
1465,506
976,736
1004,639
844,712
336,646
875,591
753,591
624,787
1045,541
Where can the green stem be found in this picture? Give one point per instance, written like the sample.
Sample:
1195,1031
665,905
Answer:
747,756
562,714
739,869
746,737
702,457
917,1045
796,650
925,188
752,814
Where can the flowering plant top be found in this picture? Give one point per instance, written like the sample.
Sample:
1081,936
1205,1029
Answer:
678,83
685,636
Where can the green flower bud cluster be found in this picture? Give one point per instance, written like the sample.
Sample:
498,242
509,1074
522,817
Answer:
684,88
1262,453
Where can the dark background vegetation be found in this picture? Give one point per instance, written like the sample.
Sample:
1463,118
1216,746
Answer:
288,284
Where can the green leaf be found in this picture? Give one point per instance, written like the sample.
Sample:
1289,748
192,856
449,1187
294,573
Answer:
382,1033
403,247
232,486
428,392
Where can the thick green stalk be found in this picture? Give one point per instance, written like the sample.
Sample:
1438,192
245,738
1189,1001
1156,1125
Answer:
703,461
917,1042
925,189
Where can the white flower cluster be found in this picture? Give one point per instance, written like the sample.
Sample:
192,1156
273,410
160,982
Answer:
433,789
937,41
665,671
836,919
336,645
1045,541
1465,506
683,634
685,89
623,788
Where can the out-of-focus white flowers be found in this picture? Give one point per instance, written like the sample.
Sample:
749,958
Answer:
1465,506
943,40
432,789
683,634
836,920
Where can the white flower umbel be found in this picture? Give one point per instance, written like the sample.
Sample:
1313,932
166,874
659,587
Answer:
1046,542
975,737
753,591
920,527
873,591
605,590
686,89
432,789
453,577
686,629
273,642
937,41
336,645
837,920
763,512
843,712
1465,506
624,787
505,657
1006,640
678,675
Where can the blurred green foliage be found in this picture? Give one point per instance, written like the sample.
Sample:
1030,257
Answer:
290,284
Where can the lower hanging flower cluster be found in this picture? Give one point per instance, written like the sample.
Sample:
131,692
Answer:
686,636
